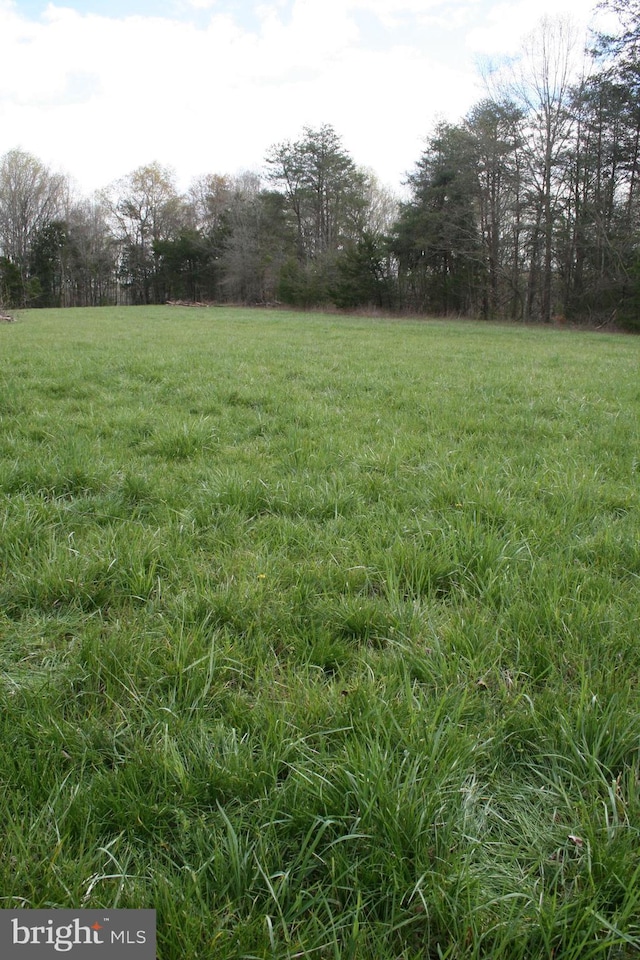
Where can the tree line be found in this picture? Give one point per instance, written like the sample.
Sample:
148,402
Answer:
527,209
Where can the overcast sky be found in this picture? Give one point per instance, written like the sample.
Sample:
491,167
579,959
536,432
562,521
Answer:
95,88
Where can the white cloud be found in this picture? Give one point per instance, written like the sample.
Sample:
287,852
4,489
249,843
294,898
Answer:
506,23
98,96
200,4
394,13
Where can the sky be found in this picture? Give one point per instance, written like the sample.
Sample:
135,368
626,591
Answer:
96,88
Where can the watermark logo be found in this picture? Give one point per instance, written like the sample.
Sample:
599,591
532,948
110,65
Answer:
78,934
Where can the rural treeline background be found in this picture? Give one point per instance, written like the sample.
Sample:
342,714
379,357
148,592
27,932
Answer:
528,209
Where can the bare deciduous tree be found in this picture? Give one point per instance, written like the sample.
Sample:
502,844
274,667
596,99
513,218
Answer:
144,208
31,198
541,85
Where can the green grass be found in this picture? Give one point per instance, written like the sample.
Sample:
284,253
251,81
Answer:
321,635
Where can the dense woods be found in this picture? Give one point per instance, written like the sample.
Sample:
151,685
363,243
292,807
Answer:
528,209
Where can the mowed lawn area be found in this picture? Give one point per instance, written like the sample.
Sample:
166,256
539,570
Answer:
321,635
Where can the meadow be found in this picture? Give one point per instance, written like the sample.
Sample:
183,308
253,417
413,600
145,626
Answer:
321,634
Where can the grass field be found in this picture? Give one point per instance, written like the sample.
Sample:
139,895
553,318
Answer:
321,635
